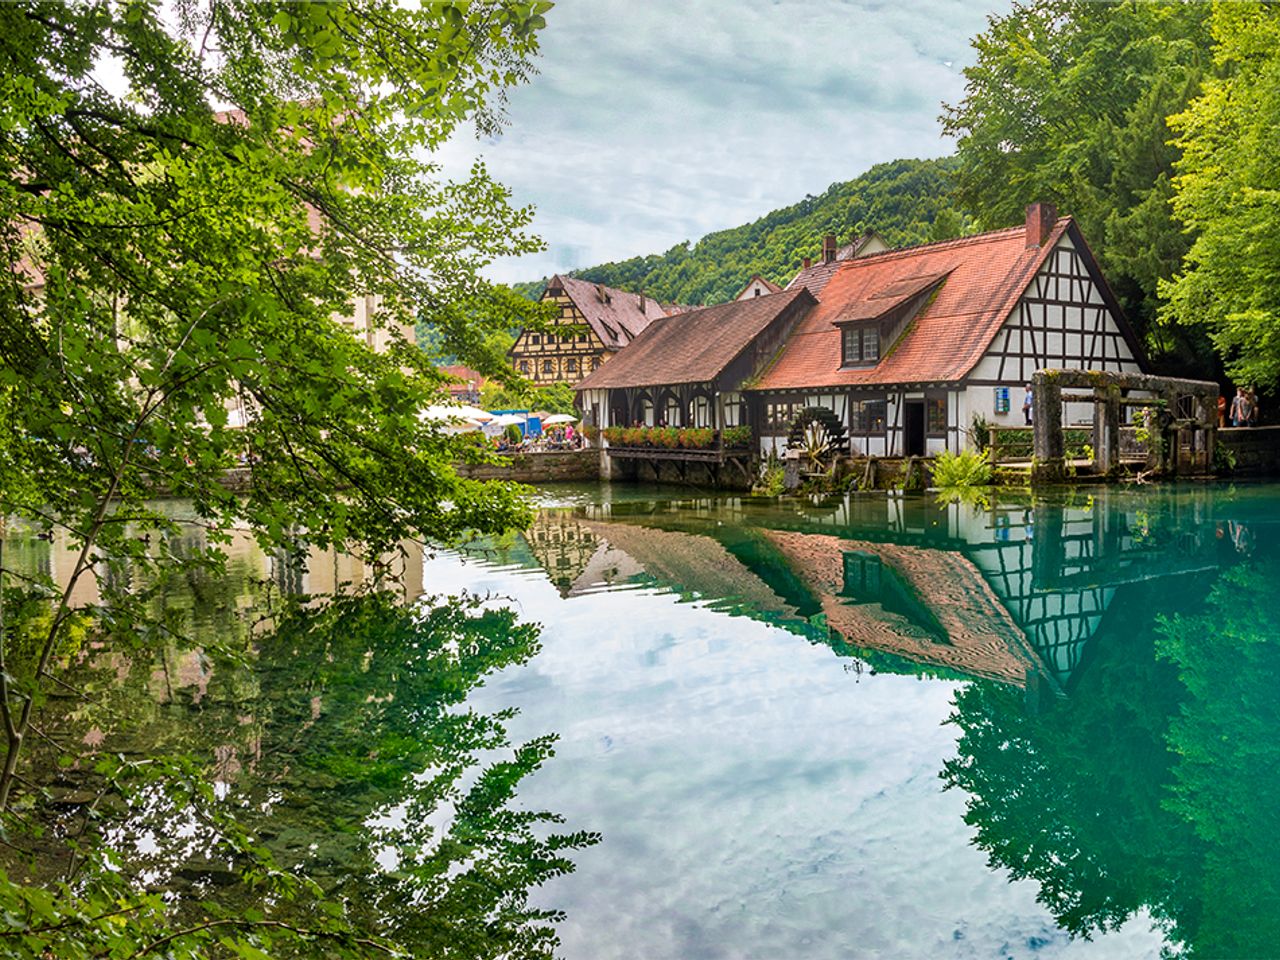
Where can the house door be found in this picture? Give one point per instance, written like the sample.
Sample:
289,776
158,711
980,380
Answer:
914,424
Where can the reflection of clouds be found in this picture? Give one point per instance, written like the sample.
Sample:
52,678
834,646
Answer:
649,124
755,800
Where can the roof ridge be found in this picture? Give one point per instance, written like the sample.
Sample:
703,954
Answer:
937,244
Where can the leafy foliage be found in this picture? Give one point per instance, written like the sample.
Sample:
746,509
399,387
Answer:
310,751
1227,193
969,468
169,267
523,395
905,201
1068,103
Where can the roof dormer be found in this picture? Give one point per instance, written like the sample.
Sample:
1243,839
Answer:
870,327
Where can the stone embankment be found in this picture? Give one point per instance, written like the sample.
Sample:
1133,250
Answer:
547,466
1256,449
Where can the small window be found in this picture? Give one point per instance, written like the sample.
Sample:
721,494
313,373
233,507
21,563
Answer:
935,412
524,366
868,417
582,338
571,365
859,345
535,338
547,366
595,363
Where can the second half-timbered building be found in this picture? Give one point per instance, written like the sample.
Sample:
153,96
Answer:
592,323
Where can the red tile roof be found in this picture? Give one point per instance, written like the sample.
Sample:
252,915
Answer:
616,316
694,347
986,274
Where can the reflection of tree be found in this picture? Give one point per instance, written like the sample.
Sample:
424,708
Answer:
1228,772
343,749
1153,784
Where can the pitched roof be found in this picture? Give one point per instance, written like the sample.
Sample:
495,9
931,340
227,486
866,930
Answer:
694,347
815,277
616,316
755,277
985,276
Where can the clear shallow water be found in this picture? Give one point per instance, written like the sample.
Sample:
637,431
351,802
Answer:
761,708
869,726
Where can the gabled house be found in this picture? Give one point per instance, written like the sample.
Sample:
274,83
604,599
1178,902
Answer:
692,369
908,347
757,286
593,323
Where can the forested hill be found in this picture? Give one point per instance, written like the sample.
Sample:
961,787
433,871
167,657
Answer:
905,201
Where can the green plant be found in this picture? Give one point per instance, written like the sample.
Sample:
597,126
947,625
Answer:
1224,459
966,469
513,433
736,436
773,476
979,433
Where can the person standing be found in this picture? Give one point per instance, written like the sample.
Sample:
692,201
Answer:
1222,411
1026,405
1252,396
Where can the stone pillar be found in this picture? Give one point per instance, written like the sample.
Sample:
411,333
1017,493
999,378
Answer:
1049,461
1106,430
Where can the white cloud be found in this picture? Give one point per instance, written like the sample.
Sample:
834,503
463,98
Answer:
655,123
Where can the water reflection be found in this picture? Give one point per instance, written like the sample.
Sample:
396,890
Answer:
328,716
1118,743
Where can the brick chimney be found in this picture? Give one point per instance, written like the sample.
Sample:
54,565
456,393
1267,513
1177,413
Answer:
829,248
642,302
1040,220
806,263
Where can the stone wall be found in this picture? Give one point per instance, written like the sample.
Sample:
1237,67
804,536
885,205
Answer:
545,467
1256,449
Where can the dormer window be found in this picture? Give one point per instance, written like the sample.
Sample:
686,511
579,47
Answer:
860,345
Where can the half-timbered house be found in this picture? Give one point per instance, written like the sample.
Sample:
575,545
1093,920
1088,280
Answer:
691,369
593,322
908,347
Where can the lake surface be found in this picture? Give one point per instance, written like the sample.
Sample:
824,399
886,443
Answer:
871,726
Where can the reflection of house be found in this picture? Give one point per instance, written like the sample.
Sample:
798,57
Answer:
930,606
1007,591
593,323
573,555
906,347
691,564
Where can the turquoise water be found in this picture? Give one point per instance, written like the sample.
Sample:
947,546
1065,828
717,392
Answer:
888,727
868,726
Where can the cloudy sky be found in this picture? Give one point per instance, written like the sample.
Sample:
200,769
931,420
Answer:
655,122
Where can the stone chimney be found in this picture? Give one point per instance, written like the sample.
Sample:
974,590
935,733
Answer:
1040,220
806,263
829,248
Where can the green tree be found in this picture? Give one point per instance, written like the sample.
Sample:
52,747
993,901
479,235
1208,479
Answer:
905,201
170,265
1228,196
1067,102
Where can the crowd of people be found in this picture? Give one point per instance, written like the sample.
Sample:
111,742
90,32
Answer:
551,438
1243,411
